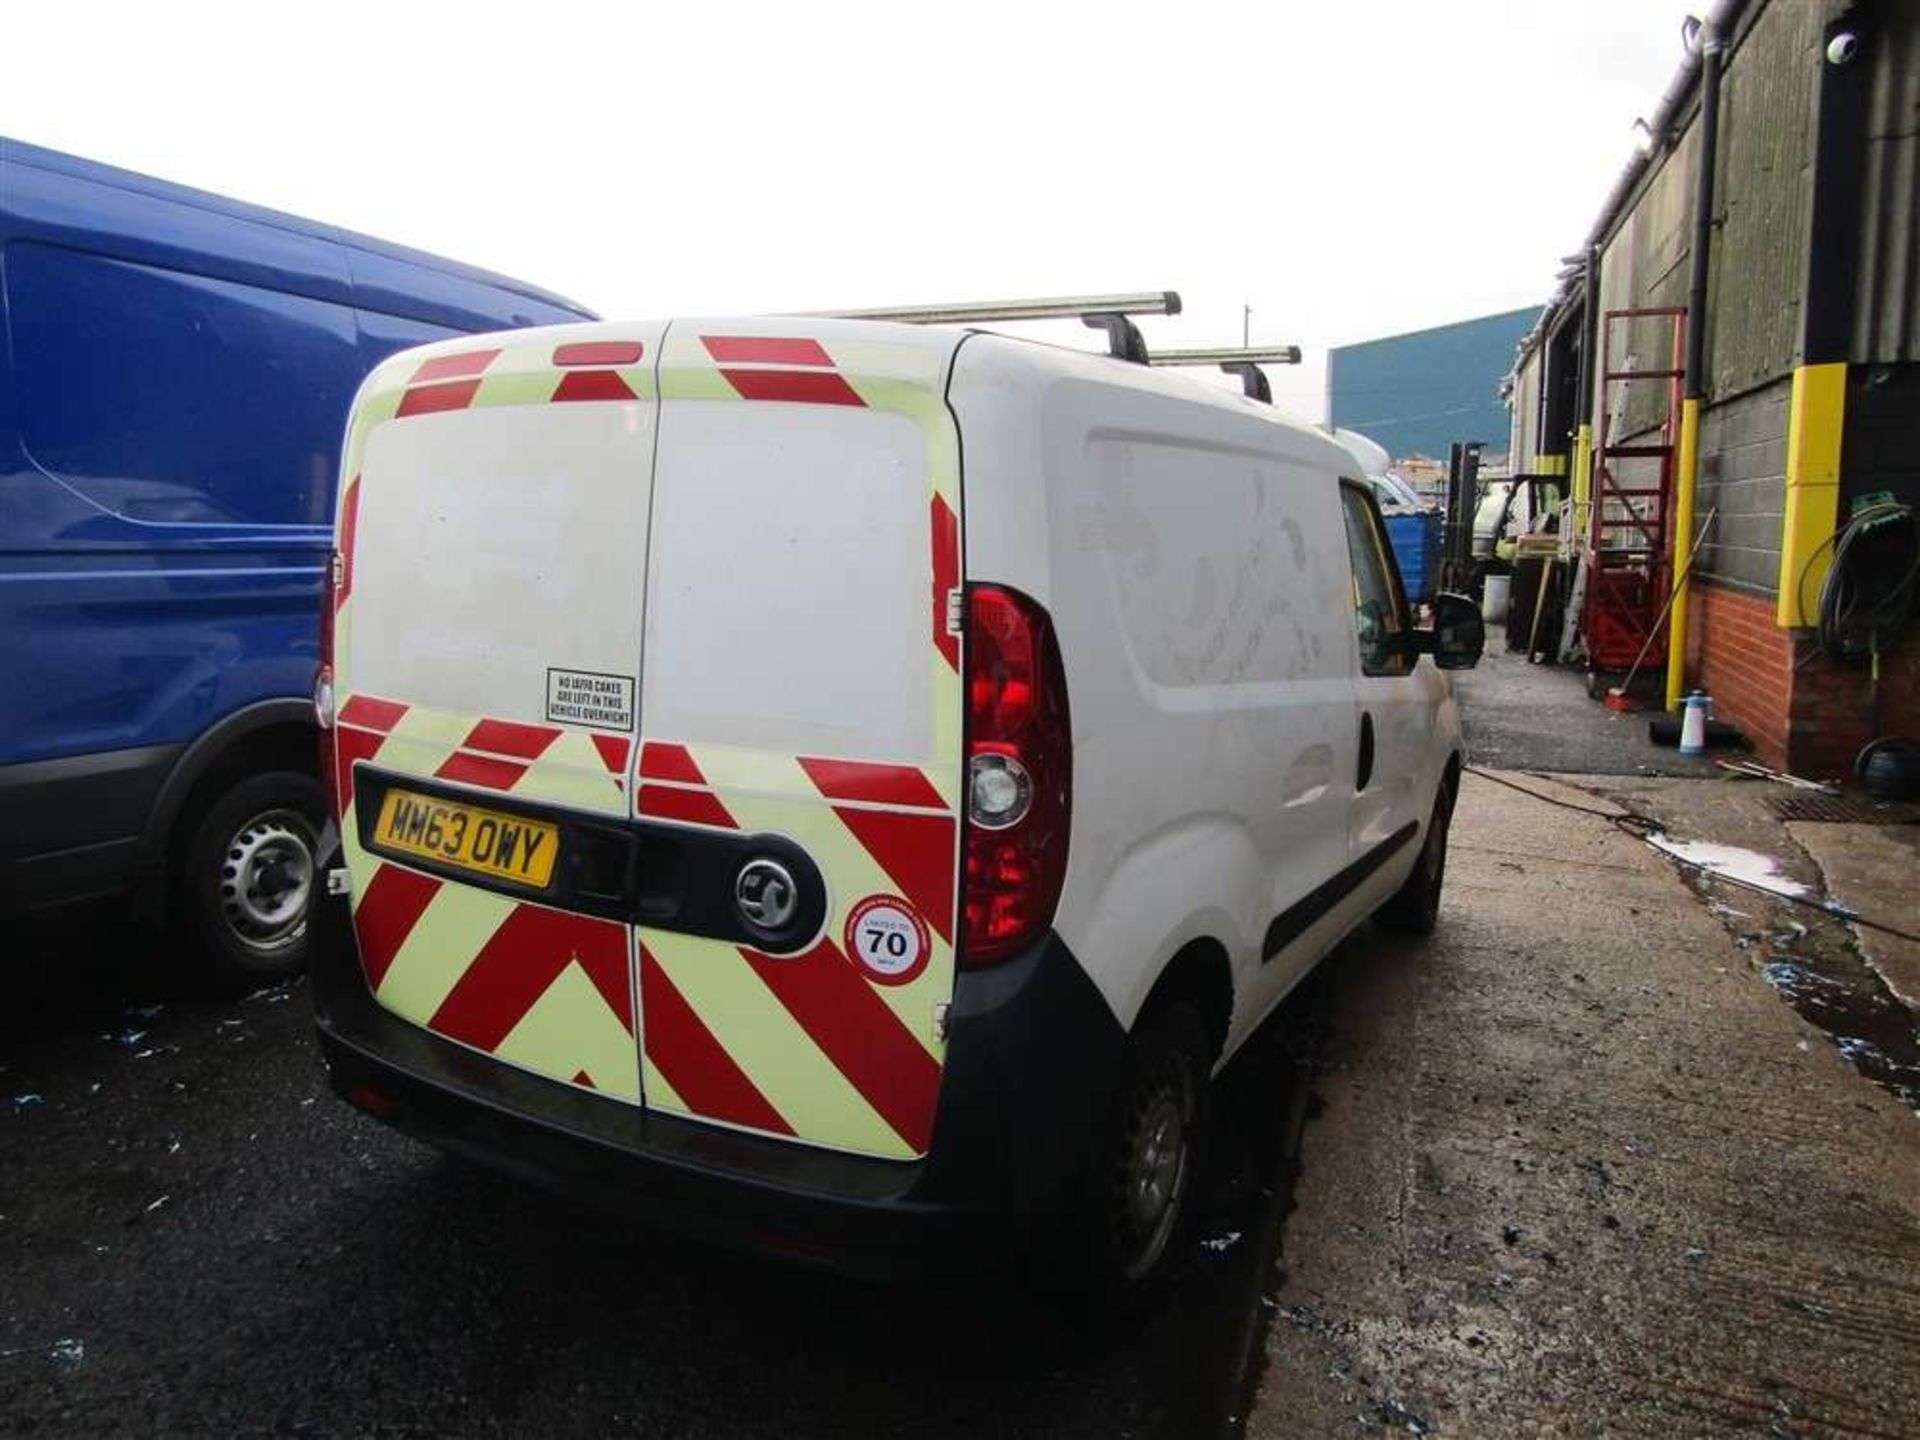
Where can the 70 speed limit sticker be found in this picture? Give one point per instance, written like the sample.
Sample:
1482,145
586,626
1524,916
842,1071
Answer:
888,939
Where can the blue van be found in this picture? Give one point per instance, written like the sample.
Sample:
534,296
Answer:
173,388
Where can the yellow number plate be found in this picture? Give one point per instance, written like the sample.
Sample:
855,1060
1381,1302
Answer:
467,837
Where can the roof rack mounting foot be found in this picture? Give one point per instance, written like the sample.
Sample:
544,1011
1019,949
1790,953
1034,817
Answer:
1253,380
1124,340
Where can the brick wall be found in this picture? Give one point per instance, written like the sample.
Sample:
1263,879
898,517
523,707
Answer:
1811,718
1834,709
1745,662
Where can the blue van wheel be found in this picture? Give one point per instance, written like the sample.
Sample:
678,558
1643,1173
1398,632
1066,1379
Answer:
248,877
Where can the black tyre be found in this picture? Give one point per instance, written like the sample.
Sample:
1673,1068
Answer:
1415,907
1135,1214
245,879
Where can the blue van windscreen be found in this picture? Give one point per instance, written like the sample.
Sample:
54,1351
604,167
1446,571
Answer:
174,398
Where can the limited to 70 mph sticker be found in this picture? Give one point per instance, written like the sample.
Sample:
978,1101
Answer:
888,939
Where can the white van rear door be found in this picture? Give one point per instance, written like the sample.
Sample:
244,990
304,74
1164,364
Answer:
801,682
487,635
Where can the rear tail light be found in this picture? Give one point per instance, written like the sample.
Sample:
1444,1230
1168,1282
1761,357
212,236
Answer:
1019,775
323,682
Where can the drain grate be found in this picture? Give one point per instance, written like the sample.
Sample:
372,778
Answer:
1842,810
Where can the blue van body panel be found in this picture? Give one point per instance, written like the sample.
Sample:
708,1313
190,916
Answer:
1415,537
174,384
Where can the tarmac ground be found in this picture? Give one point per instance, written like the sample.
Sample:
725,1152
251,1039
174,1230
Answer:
1611,1152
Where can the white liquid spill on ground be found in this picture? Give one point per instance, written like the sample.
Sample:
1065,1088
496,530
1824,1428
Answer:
1749,867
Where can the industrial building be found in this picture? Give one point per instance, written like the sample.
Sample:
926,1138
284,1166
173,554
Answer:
1730,374
1416,394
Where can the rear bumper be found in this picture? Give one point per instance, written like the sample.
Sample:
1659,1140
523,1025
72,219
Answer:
1032,1052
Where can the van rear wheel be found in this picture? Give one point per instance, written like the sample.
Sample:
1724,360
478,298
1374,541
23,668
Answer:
247,877
1135,1212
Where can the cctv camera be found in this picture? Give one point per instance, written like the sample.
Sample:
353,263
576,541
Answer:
1842,48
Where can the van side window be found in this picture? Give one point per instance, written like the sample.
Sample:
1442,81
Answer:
175,398
1379,603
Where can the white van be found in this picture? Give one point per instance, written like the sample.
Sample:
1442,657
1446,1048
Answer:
844,786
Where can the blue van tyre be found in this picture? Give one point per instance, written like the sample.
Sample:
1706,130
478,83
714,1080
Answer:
246,879
1135,1216
1415,907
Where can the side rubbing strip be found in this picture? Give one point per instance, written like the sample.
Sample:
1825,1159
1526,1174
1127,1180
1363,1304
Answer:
1293,922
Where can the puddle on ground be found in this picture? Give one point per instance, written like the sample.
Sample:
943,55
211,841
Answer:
1747,867
1831,986
1822,975
1877,1034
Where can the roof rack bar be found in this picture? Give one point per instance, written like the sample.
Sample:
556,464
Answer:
1233,355
1243,361
1066,307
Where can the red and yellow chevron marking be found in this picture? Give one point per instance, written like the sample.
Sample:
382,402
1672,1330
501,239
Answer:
452,382
811,1045
542,989
578,769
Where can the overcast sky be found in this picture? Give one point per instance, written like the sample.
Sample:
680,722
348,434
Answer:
1350,168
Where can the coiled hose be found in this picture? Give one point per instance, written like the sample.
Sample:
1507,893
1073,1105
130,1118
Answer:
1860,613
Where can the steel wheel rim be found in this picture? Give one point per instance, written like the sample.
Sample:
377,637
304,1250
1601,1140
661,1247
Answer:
1154,1167
266,879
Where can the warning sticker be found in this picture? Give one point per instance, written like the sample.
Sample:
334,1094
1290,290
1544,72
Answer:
584,697
888,939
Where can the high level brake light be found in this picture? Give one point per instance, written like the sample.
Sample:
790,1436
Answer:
1019,775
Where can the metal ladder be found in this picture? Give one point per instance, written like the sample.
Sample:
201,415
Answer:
1629,558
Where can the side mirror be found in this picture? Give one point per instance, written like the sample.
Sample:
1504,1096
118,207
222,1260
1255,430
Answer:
1458,634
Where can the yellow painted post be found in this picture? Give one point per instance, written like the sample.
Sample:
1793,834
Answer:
1816,415
1686,470
1582,482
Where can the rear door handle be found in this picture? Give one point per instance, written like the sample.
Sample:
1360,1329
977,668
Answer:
1366,750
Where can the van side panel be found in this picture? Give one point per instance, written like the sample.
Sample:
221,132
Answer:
176,380
801,681
1190,554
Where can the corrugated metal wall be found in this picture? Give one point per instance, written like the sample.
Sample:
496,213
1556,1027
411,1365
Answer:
1525,441
1887,310
1763,197
1644,264
1758,277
